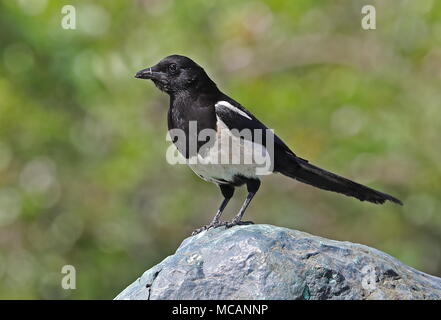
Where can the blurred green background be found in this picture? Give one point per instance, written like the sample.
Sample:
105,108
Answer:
83,175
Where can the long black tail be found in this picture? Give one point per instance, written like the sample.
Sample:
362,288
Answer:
317,177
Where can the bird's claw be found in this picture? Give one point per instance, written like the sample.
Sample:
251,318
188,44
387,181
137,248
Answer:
215,224
199,230
218,224
238,223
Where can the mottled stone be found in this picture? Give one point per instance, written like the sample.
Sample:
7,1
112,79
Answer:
268,262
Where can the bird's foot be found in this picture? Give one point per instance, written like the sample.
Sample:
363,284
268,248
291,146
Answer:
235,222
214,224
199,230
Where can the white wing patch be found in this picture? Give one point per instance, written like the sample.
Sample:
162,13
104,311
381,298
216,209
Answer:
232,108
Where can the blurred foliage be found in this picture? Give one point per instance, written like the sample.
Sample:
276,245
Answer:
83,176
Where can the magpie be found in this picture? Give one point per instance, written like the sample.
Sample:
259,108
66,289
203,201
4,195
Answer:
194,97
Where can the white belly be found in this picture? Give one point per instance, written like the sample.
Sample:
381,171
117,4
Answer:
229,156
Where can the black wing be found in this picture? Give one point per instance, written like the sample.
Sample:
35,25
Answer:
237,117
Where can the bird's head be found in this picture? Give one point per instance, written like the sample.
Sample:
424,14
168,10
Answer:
176,73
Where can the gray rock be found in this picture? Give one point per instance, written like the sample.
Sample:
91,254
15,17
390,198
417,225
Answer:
268,262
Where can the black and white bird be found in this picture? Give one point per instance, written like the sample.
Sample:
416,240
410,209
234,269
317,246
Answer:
194,97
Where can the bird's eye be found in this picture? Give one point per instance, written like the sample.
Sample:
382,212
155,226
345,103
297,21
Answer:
172,67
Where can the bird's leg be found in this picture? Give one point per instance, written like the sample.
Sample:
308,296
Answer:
252,186
237,219
227,192
216,218
215,223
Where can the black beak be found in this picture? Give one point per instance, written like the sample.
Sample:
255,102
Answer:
147,73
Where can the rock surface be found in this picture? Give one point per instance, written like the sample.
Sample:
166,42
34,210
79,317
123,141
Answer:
268,262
